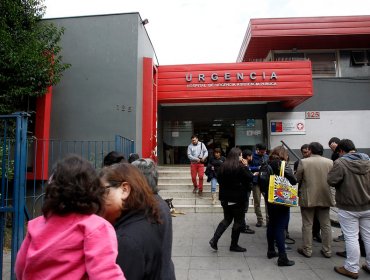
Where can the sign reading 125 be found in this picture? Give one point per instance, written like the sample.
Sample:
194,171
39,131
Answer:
312,115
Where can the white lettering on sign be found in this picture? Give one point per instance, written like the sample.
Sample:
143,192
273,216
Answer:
238,76
312,115
231,85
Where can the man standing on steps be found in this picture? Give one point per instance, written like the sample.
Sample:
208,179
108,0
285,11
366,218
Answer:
197,154
259,157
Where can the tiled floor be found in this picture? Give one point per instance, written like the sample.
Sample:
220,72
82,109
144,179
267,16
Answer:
194,259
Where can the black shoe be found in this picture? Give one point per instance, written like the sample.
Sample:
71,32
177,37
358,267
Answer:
237,248
339,238
247,230
317,238
271,254
213,244
342,254
259,224
284,261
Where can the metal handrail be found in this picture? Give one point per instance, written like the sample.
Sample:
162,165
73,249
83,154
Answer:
290,150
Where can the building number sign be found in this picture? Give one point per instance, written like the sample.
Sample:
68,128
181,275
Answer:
312,115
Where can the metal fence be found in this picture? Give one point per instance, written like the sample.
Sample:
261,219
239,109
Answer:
25,166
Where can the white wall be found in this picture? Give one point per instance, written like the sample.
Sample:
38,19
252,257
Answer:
354,125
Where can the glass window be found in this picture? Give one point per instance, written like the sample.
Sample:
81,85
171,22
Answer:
360,58
323,64
248,132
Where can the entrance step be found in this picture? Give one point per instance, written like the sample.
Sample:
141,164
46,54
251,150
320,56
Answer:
175,182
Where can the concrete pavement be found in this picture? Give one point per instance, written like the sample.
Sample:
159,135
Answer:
194,259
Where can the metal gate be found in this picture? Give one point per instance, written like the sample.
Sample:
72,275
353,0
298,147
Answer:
25,165
13,153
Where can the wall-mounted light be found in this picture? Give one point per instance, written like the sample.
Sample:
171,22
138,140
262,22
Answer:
145,21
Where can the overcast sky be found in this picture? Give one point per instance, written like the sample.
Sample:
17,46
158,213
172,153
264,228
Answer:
203,31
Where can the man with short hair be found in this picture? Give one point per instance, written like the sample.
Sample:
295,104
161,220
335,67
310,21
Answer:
315,198
350,176
259,157
197,154
305,151
247,159
113,157
333,143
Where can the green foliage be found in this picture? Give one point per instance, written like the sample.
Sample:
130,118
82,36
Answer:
7,162
30,59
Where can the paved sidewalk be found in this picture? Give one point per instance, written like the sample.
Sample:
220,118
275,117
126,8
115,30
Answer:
194,259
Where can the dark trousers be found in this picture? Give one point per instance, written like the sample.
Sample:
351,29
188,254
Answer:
315,227
278,221
233,212
246,207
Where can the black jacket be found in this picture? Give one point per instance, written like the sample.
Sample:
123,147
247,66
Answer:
168,269
216,164
235,184
139,247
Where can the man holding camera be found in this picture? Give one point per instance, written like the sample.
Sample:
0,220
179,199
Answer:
197,154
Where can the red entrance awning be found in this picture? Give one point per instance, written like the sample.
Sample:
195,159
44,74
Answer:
286,81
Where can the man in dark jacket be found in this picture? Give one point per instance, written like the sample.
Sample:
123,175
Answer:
259,157
350,176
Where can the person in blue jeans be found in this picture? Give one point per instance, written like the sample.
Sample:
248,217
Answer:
278,214
213,166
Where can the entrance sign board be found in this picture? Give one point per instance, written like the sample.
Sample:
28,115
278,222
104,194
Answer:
287,81
281,127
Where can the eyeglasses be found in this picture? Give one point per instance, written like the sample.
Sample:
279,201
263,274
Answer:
113,184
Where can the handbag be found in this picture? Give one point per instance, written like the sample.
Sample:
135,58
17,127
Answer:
281,190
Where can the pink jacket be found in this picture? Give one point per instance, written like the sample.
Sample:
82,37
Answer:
69,247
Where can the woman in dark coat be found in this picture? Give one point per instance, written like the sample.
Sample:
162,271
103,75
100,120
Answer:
134,211
279,214
235,180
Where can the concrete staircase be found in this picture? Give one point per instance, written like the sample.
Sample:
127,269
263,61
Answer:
175,182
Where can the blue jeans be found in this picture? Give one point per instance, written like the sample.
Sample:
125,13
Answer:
278,221
213,185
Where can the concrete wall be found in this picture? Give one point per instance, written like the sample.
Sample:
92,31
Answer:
100,95
344,106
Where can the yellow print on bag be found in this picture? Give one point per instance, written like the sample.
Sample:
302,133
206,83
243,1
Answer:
282,192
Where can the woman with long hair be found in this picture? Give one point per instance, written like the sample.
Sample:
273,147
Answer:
234,178
278,214
70,241
134,211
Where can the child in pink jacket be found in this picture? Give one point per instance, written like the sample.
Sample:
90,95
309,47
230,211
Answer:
70,241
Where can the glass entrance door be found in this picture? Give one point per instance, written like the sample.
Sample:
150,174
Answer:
218,133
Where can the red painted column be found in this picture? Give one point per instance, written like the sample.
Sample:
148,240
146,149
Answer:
147,116
154,154
42,134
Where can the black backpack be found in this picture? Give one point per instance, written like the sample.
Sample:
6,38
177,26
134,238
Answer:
264,177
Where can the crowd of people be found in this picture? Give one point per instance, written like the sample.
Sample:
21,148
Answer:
347,173
107,225
113,224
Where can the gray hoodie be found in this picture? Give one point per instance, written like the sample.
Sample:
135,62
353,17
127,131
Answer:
350,176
